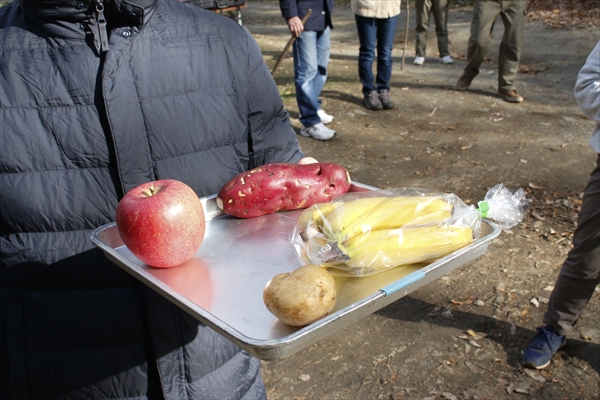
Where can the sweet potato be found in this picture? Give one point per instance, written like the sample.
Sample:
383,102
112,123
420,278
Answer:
278,186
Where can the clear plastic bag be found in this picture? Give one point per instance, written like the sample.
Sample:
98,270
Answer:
503,207
363,233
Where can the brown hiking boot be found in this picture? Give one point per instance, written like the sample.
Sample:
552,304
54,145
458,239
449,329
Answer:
510,95
463,83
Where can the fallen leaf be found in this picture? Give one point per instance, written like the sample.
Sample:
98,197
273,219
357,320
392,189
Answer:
537,216
476,335
535,375
522,390
535,302
535,186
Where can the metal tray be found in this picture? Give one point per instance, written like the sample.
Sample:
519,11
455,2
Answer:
222,285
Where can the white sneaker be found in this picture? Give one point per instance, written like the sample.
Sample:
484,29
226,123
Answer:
318,131
325,118
447,60
419,60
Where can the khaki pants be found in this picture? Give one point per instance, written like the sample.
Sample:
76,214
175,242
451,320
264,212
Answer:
424,9
485,13
580,273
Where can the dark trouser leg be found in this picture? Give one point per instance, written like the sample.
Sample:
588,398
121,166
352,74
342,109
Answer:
513,17
484,15
440,16
580,273
422,11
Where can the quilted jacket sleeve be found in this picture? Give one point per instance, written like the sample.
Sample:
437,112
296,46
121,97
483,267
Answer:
272,138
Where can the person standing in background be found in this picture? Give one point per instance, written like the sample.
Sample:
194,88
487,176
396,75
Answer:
376,22
485,12
311,59
580,273
424,9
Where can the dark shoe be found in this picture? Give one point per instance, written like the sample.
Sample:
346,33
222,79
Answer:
542,347
463,83
386,100
510,95
372,102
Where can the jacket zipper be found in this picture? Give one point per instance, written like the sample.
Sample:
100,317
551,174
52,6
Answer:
101,38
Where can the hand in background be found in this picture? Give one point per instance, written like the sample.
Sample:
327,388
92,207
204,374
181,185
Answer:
296,26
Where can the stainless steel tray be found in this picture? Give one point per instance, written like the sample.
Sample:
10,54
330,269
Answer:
222,285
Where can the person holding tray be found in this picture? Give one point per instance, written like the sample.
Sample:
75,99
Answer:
97,98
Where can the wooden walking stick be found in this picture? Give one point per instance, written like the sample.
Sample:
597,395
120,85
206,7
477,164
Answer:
405,33
288,45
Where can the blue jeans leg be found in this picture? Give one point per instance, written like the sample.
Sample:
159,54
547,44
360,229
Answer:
311,58
375,33
386,31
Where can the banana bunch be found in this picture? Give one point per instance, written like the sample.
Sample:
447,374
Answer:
370,234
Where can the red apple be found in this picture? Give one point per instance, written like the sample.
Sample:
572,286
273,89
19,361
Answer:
161,222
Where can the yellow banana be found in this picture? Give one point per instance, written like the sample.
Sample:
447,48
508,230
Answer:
376,250
315,214
350,212
367,214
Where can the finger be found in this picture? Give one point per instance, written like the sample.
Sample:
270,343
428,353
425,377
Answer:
307,160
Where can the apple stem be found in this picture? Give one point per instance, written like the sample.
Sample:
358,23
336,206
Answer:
151,191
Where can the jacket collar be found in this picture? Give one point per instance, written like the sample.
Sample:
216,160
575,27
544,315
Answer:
62,17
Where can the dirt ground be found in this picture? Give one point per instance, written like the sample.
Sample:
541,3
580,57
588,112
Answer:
461,336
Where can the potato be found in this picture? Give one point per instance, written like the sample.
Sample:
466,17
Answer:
277,187
301,297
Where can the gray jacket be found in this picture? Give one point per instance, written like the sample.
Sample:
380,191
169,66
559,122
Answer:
89,110
587,93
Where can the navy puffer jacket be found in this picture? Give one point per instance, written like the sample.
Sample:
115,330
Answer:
171,91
